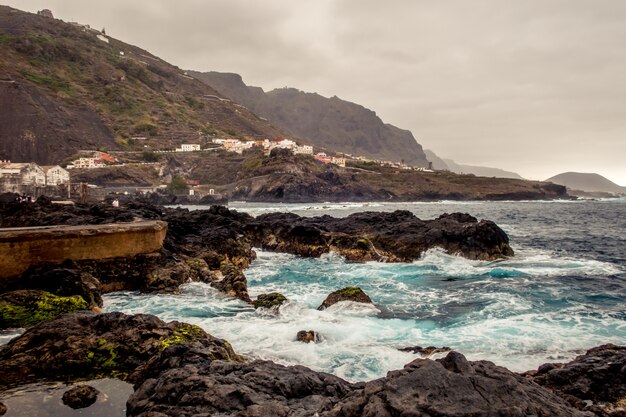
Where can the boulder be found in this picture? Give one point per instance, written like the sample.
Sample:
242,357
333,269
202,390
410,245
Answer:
595,380
3,409
425,351
86,345
307,336
232,282
270,300
24,308
452,386
345,294
81,396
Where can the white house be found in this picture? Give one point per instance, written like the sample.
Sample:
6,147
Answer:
88,163
338,161
304,149
187,147
55,175
15,175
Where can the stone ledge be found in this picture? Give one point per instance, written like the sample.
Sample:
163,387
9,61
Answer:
25,246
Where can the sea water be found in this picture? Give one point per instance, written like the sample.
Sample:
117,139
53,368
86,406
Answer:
564,291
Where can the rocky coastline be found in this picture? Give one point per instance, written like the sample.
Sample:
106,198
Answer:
178,369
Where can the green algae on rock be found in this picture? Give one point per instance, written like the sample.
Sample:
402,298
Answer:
355,294
274,299
26,308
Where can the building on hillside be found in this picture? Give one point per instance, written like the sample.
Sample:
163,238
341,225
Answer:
338,161
284,143
56,175
188,147
87,163
105,157
14,176
304,150
322,157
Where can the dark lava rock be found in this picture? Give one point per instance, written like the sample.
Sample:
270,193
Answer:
233,282
598,376
81,396
186,382
345,294
425,351
452,386
270,300
25,308
3,409
397,236
307,336
86,345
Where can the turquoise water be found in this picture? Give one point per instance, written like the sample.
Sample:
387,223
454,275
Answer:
563,292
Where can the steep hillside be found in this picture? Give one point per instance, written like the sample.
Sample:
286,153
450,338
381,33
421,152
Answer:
450,165
437,162
590,182
65,87
330,123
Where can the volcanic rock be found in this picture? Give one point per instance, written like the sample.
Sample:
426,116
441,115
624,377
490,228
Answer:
81,396
425,351
270,300
598,376
25,308
345,294
85,345
307,336
3,409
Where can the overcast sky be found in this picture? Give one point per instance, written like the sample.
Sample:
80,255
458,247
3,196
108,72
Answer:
533,86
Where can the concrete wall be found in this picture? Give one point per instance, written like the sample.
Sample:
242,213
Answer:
25,246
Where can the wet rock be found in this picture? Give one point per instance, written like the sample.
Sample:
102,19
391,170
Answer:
185,381
188,382
232,281
64,280
452,386
425,351
86,345
270,300
345,294
25,308
81,396
3,409
307,336
598,377
398,236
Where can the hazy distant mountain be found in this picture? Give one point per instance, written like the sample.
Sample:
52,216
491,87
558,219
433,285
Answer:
329,123
590,182
450,165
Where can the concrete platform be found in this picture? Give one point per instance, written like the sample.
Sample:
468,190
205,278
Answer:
22,247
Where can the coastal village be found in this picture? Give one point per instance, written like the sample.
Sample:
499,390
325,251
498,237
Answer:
33,179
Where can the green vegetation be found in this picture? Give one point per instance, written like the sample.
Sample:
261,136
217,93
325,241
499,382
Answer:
350,291
52,82
149,156
146,129
269,300
27,308
121,141
185,333
5,39
177,186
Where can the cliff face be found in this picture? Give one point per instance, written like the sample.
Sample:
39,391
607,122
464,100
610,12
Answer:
589,182
330,123
65,87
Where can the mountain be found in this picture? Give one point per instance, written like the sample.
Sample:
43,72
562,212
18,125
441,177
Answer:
450,165
330,123
589,182
65,87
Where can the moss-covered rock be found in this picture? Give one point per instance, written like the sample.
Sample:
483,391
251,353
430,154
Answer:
85,345
274,299
355,294
25,308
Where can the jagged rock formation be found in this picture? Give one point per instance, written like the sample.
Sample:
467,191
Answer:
65,87
330,123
